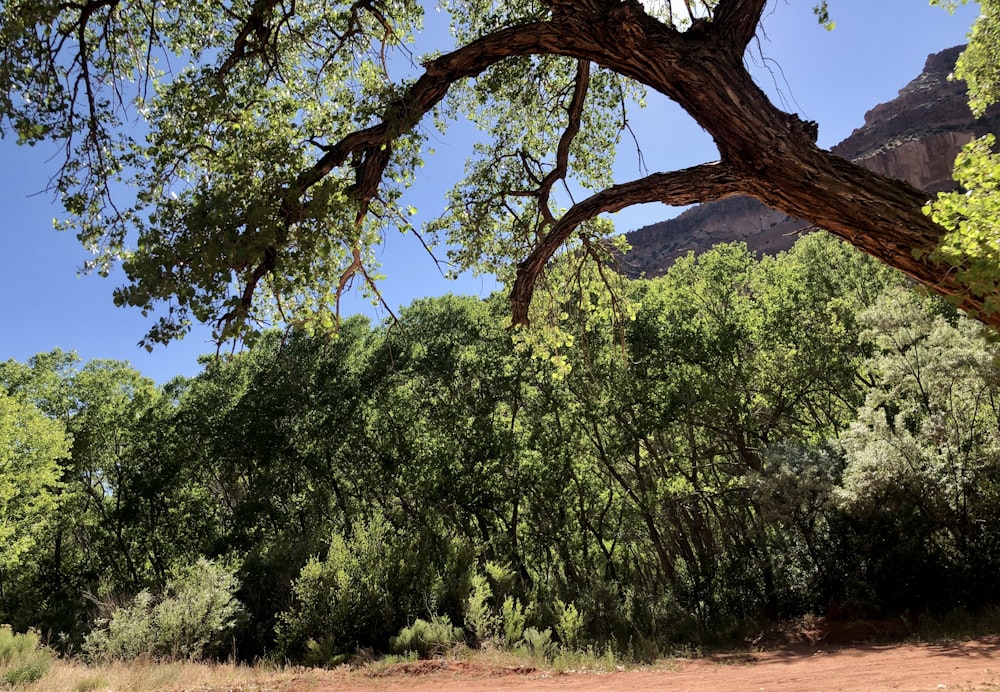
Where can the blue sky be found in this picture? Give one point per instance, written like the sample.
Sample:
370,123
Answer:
833,78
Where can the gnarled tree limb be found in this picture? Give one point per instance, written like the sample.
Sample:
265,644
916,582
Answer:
710,181
764,152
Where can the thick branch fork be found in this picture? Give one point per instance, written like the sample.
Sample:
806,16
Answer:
765,153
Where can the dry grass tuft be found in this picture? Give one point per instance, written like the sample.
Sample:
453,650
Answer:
73,676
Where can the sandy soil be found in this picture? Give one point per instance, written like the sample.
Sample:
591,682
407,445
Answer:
972,665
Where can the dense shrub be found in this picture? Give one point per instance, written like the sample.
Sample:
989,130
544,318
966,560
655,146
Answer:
191,619
427,639
365,590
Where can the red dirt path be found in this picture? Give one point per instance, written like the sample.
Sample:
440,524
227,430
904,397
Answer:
973,665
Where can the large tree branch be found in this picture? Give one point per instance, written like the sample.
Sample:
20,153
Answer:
709,181
429,90
881,216
575,113
736,21
766,153
372,146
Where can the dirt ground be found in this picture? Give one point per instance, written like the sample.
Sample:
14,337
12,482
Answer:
970,665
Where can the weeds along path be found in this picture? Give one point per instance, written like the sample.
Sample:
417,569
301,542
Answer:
972,665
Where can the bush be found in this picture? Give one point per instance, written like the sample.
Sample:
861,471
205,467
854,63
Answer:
26,673
427,639
570,625
513,617
368,587
192,619
538,643
22,659
15,647
479,616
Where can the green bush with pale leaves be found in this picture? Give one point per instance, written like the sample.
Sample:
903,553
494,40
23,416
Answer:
192,618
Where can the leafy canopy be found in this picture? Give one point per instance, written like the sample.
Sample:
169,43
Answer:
31,447
214,112
266,145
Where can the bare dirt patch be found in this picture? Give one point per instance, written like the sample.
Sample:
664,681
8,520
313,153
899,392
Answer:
967,665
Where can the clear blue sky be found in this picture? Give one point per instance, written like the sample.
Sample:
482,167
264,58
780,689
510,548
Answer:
833,78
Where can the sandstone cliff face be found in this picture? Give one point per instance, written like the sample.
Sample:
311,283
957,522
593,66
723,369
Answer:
914,137
925,162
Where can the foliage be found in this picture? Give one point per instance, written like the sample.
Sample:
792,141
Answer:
569,625
14,646
978,64
362,592
191,619
924,451
766,438
126,511
31,448
822,12
479,616
538,643
513,619
972,216
22,658
427,639
266,149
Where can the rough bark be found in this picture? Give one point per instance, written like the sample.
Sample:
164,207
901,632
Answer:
770,155
765,153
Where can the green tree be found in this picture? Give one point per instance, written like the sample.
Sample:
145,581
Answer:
979,64
111,489
667,437
923,456
271,443
972,216
267,167
127,511
443,421
31,448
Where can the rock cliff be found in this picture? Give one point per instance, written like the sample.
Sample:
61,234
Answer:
914,137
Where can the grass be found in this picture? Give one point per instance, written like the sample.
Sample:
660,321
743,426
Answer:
19,652
26,666
74,676
22,660
956,624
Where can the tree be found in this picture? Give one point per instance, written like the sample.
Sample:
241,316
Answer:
922,455
979,64
729,360
121,510
31,446
273,161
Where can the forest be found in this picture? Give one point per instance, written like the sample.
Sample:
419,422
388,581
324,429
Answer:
741,441
580,462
